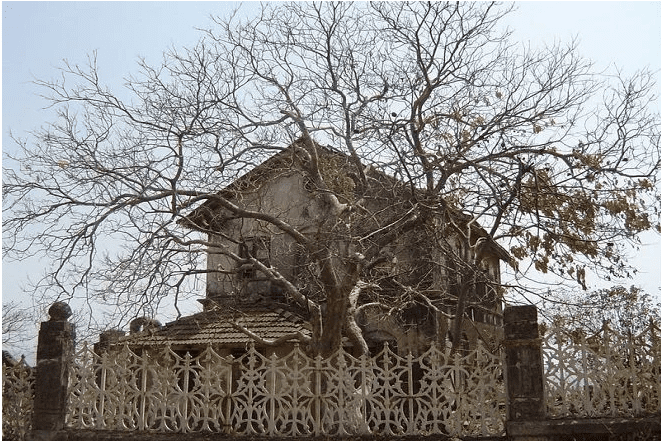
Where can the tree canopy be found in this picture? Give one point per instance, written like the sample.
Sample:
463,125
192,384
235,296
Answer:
628,311
556,162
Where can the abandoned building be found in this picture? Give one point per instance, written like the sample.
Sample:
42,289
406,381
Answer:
433,259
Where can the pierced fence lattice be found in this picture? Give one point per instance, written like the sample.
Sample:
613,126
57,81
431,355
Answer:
17,400
294,395
604,375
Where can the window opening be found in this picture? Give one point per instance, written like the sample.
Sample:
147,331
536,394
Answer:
258,247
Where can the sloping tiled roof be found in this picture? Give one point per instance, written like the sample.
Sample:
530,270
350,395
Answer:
268,321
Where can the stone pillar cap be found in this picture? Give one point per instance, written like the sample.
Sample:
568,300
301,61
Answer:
59,312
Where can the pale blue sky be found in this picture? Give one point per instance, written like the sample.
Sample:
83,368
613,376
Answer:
37,36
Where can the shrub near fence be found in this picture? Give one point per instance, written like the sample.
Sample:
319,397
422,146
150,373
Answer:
459,395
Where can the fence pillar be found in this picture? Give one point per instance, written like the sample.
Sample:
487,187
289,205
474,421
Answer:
55,350
524,371
107,339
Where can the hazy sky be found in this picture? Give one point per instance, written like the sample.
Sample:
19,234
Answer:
37,36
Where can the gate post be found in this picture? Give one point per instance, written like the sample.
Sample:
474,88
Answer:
55,350
524,370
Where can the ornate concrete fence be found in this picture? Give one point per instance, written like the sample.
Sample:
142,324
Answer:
607,374
17,400
537,388
290,396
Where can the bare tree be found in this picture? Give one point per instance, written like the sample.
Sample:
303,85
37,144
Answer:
557,163
15,323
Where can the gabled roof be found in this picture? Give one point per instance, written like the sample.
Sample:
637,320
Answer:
267,320
278,162
207,214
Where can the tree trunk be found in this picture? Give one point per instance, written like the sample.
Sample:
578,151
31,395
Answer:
459,316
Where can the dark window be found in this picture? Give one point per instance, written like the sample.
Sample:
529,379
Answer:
258,247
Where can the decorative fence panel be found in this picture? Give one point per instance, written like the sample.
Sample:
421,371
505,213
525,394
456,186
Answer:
18,400
295,395
604,375
165,391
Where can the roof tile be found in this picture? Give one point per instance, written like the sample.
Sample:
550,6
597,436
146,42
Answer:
215,327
